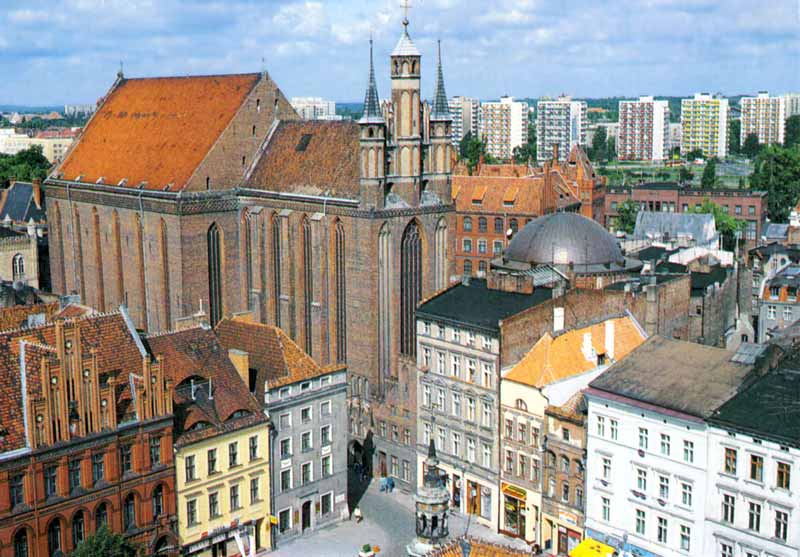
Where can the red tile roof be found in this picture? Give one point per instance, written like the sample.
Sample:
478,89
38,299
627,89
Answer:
17,316
526,195
312,158
156,130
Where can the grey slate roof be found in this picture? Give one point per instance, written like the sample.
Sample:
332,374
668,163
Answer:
372,104
441,108
776,231
701,228
19,205
679,376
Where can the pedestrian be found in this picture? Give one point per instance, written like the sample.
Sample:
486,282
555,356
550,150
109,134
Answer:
357,515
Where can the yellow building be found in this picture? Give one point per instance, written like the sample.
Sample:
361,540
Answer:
542,430
704,125
222,451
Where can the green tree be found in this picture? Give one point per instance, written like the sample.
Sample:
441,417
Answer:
105,543
611,149
792,131
25,165
695,154
599,148
751,146
472,149
777,171
727,225
709,178
685,175
734,135
626,221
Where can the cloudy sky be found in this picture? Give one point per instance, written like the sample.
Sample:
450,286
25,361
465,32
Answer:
57,51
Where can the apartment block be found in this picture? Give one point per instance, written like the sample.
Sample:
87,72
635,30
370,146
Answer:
704,125
464,111
315,108
764,116
562,122
792,102
504,126
643,130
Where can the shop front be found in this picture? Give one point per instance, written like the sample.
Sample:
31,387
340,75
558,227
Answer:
562,532
224,541
518,513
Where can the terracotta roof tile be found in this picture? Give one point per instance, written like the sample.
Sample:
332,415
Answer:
17,316
156,130
497,193
312,158
480,548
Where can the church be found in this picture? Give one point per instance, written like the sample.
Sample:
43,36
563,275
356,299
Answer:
207,195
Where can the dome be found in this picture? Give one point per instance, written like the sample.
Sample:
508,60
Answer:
564,238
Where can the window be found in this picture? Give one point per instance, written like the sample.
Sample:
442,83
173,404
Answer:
565,492
606,468
730,461
285,448
757,468
781,525
456,408
482,227
285,520
305,442
213,504
50,481
305,415
98,468
233,454
522,433
129,512
394,467
662,530
441,439
513,225
487,455
78,529
606,502
125,458
509,429
426,357
100,516
470,409
211,458
509,461
306,476
16,489
426,434
565,464
783,479
663,488
155,451
751,210
688,450
641,480
255,490
234,497
665,444
325,408
286,480
487,376
305,386
440,361
21,543
614,429
54,537
640,522
467,244
407,436
486,420
771,312
189,468
481,246
325,435
470,450
522,466
497,247
326,503
191,512
643,440
686,538
565,434
601,426
471,368
686,494
74,474
455,366
440,399
18,267
728,508
725,550
327,466
754,517
787,313
466,224
157,501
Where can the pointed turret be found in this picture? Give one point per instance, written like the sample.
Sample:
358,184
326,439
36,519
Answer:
441,109
372,104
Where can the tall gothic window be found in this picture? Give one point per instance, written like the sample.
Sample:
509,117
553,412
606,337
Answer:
276,267
441,254
410,286
308,283
165,274
98,260
247,243
214,240
118,258
62,286
341,295
384,300
263,260
139,228
18,267
76,238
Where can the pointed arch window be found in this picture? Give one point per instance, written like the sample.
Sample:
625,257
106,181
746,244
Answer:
54,537
441,254
214,241
158,501
410,286
384,300
276,267
308,284
341,293
118,257
76,236
62,278
139,228
247,242
78,529
18,267
100,516
129,512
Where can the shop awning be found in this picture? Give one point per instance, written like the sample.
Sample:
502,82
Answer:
592,548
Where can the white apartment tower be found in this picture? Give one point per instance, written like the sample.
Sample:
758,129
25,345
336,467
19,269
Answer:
704,125
764,116
792,101
504,126
464,111
315,108
643,130
561,122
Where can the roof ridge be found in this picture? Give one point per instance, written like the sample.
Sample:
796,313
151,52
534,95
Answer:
35,344
174,331
188,76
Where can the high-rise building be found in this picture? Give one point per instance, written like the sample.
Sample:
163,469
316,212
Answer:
504,126
464,111
559,122
764,116
315,108
643,130
704,125
792,102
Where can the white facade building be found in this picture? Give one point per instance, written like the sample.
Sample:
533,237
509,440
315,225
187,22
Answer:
643,130
704,125
315,108
503,126
764,116
792,101
561,122
465,113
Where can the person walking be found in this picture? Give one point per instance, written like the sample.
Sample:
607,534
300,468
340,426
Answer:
357,515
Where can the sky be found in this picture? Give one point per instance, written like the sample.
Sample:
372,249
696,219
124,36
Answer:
69,51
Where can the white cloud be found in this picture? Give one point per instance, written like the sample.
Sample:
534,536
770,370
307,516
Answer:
306,19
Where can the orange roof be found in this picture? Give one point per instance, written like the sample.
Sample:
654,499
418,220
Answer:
156,130
504,170
555,358
479,548
478,192
527,194
510,195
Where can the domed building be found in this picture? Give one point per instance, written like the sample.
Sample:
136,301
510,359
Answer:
566,244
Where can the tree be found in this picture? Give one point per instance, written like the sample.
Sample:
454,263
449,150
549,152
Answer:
734,135
709,178
695,154
611,149
726,225
685,175
751,146
792,131
599,148
26,165
106,544
777,171
627,210
472,149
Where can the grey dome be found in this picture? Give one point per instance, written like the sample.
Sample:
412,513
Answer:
564,238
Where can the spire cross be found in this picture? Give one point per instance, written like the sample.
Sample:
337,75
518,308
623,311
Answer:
406,5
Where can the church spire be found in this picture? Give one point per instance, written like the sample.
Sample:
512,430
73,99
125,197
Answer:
372,104
441,110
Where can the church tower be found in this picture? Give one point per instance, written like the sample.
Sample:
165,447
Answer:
440,126
372,142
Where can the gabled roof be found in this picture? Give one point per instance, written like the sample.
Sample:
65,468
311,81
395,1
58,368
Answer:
557,357
310,157
493,191
19,205
16,317
156,130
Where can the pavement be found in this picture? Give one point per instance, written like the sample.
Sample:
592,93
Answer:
388,524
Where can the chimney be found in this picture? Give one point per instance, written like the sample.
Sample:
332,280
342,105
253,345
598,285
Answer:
37,192
241,361
558,319
555,153
610,339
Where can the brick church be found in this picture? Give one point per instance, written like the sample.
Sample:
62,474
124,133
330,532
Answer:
188,195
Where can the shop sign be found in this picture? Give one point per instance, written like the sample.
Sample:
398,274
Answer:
513,491
569,518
